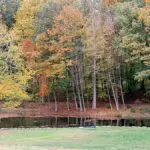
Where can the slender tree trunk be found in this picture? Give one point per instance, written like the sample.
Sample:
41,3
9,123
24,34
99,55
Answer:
87,102
143,86
56,121
108,93
68,121
55,99
120,82
78,90
74,95
114,94
80,77
49,101
67,97
74,87
74,73
81,122
42,99
118,121
94,84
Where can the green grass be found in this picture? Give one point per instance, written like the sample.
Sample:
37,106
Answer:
101,138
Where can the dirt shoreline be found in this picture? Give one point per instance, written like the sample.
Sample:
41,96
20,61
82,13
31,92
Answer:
36,110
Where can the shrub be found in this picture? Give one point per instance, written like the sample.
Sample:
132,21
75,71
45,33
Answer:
133,110
146,97
145,110
119,116
138,102
145,100
108,106
128,106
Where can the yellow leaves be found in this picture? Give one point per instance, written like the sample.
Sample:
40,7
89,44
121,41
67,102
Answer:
147,1
145,15
141,75
4,35
23,78
10,90
69,63
24,26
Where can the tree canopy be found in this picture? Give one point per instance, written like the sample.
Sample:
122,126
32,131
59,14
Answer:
89,50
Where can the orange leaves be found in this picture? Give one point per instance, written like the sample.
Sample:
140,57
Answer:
29,51
147,1
69,16
69,21
111,2
58,42
43,86
65,2
67,25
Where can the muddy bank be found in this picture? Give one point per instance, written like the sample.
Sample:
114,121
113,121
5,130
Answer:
102,112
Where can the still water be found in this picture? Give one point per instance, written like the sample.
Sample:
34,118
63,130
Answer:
60,122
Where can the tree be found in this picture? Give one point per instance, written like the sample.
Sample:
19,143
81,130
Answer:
93,46
8,9
133,37
13,75
59,42
44,19
24,20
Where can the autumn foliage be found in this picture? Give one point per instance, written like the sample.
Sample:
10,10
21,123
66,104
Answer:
87,49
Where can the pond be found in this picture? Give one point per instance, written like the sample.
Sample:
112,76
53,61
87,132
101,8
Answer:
60,122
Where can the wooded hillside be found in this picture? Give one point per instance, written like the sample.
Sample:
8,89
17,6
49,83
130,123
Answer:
81,51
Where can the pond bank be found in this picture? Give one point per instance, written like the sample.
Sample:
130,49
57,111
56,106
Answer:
102,112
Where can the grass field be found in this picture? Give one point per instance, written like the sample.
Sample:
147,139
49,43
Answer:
101,138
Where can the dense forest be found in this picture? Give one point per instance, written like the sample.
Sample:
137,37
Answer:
75,51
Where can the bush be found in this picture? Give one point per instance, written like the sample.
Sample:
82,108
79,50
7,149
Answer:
12,93
138,102
133,110
128,106
145,110
146,97
145,100
119,116
108,106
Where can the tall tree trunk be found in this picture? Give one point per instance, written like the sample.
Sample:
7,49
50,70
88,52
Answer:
94,84
108,93
120,82
49,101
81,122
42,99
81,80
74,95
96,23
67,97
55,99
56,121
114,94
143,86
78,89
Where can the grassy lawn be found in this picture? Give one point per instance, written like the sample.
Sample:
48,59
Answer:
101,138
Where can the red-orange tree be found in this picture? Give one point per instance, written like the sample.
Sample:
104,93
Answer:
57,43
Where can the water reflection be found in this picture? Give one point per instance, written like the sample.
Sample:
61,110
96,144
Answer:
58,122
